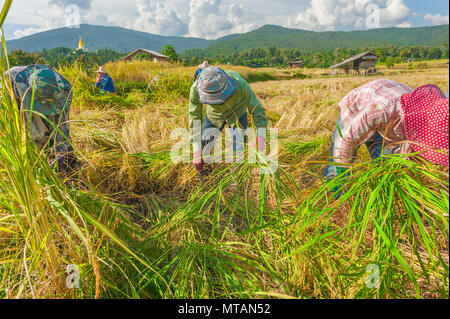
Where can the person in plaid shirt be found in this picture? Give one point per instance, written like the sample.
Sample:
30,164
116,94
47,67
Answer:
388,112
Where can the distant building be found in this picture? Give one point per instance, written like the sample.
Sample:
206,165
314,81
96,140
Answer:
296,64
81,46
365,61
156,57
409,60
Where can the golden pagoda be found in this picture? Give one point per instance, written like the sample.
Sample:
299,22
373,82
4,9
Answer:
81,46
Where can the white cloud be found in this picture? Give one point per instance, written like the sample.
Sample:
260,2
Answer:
437,19
395,13
156,17
241,19
46,19
20,33
52,14
196,18
350,14
85,4
405,24
215,18
199,18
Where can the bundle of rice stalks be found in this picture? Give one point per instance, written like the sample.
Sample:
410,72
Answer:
391,214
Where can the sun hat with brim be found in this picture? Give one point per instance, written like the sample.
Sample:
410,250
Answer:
101,70
427,122
215,87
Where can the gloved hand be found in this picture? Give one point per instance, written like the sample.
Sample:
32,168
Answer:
198,162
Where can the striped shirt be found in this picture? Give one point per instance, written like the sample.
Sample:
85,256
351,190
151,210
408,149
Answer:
373,107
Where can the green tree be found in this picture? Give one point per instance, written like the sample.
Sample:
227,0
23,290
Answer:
19,57
435,53
143,56
170,51
272,50
390,62
405,54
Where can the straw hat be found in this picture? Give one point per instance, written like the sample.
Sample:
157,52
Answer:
426,122
101,70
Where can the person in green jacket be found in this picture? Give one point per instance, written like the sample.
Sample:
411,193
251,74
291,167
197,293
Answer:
228,99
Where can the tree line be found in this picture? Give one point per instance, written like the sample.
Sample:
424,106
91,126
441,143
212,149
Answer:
61,56
255,57
275,57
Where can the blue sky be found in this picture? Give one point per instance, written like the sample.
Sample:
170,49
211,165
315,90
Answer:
215,18
428,7
431,6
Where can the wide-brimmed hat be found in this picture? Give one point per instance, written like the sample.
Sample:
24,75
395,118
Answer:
427,122
215,87
102,69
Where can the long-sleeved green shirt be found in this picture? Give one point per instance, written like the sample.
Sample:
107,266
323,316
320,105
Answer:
243,99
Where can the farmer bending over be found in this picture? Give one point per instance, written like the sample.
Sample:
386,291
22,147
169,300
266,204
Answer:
52,99
392,112
227,97
105,82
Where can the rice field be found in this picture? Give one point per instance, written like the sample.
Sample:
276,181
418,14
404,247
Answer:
136,225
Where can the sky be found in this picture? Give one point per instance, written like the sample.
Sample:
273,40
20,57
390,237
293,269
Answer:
215,18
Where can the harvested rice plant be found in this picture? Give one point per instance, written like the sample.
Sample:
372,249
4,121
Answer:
135,224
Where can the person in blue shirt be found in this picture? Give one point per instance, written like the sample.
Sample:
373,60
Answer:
105,82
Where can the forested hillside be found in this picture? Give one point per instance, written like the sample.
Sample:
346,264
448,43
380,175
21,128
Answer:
124,40
309,41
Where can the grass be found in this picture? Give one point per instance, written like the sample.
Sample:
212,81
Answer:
298,149
394,219
259,77
139,226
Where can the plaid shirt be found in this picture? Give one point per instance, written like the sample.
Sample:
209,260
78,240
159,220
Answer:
373,107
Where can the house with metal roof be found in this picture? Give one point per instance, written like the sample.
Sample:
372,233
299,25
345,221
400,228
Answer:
155,56
297,63
365,61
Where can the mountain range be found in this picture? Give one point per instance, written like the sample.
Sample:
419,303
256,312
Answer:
125,40
105,37
280,37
